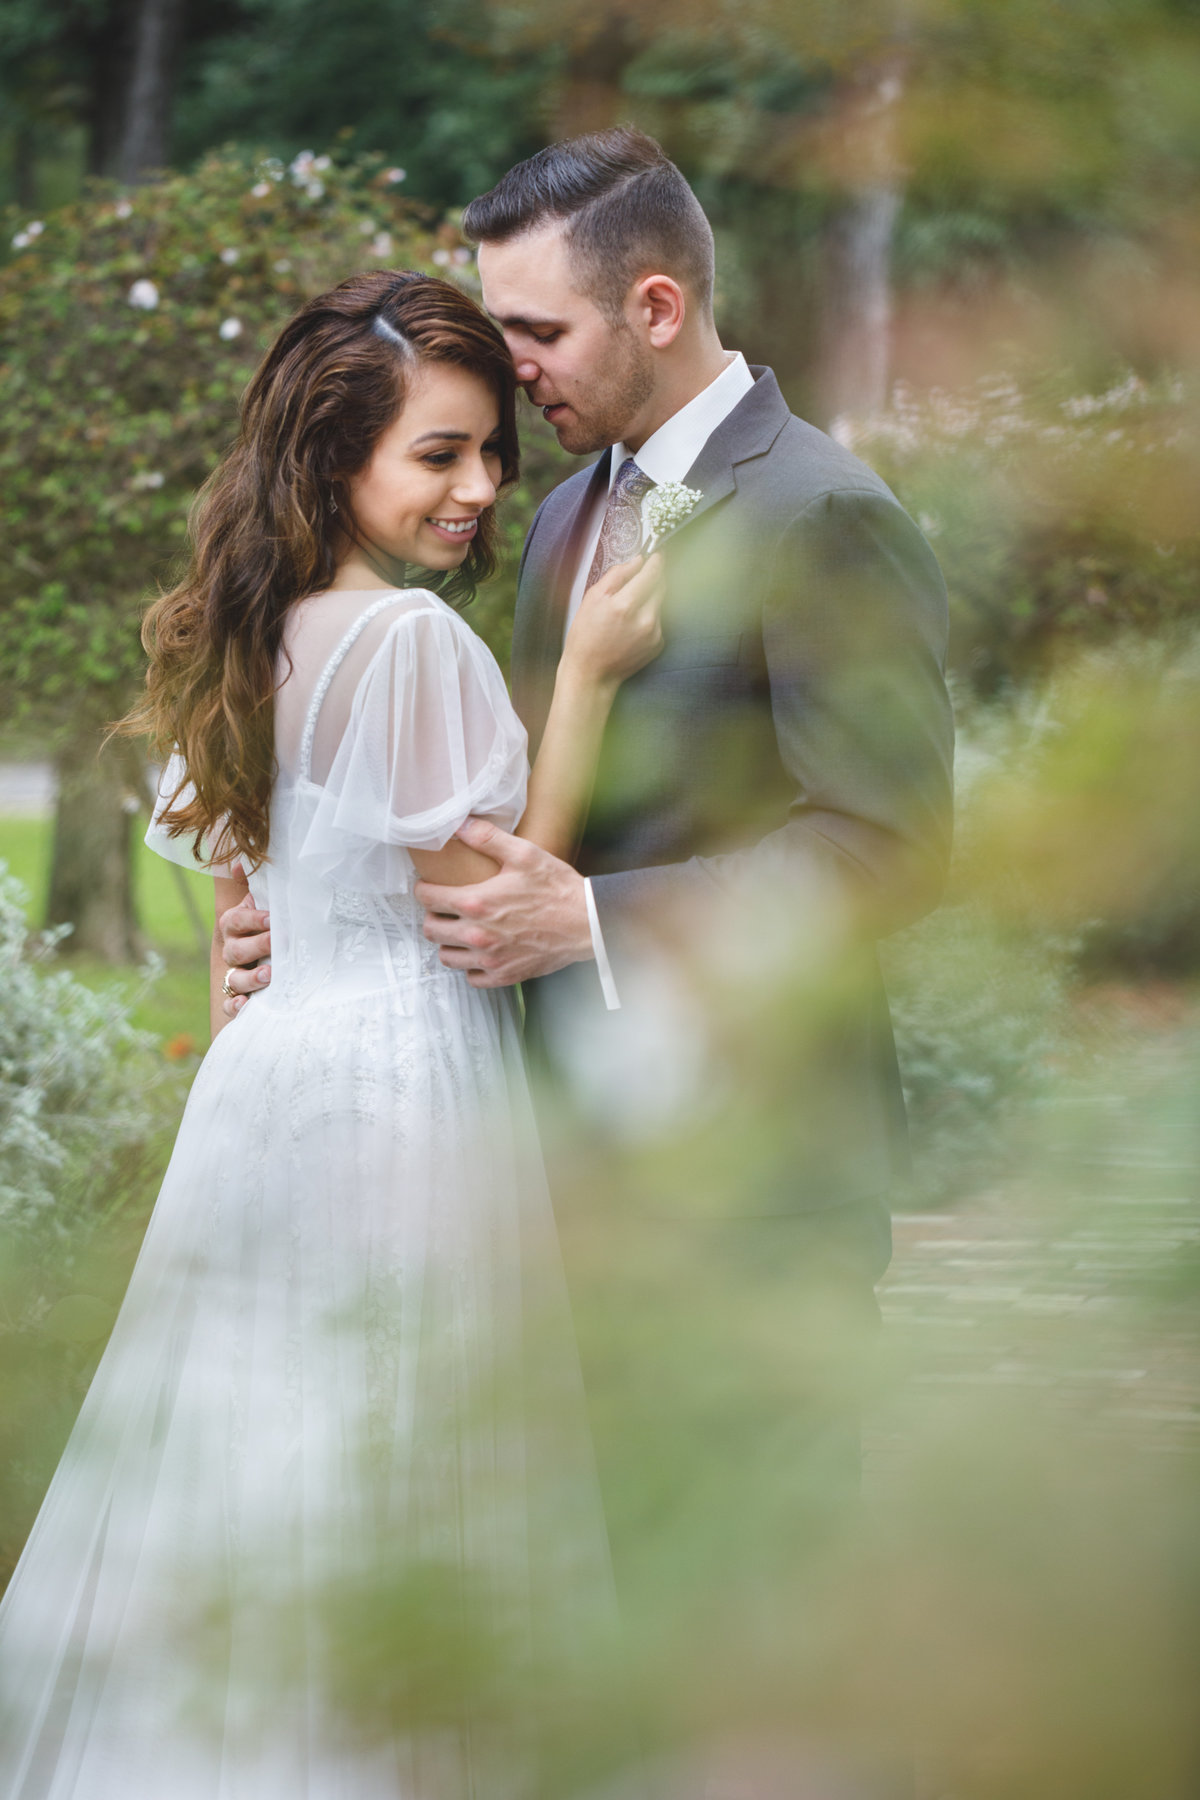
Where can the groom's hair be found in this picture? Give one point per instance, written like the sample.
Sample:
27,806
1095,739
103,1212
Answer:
627,209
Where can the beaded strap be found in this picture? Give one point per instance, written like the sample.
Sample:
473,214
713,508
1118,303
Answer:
330,670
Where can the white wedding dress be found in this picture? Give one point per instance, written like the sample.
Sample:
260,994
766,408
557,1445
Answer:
328,1525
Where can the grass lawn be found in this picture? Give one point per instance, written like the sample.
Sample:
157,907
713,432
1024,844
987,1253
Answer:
176,1006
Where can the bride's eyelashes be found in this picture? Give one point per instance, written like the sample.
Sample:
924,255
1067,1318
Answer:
441,459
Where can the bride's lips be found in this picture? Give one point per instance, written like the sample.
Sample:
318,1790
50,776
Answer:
467,529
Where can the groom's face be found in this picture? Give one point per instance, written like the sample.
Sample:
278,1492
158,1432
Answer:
593,377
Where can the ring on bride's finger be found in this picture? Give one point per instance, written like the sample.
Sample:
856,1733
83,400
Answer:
229,992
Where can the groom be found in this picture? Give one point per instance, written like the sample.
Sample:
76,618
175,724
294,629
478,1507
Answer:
793,740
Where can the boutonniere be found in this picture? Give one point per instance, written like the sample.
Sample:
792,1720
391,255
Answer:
667,506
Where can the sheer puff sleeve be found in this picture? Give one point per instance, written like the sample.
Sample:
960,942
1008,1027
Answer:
179,849
431,738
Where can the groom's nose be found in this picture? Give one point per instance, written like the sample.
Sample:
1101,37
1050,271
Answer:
528,371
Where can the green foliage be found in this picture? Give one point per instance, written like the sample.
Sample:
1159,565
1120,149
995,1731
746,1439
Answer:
73,1079
404,78
129,326
982,1028
1058,516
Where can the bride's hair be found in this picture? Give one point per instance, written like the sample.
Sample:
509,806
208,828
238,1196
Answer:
270,523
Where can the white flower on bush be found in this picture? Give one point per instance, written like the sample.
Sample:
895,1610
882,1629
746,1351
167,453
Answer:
395,175
462,255
366,226
282,265
441,258
322,162
381,244
123,209
229,254
229,329
301,167
31,233
314,189
144,295
261,189
146,479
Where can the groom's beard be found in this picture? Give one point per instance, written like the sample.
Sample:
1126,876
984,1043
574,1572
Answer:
604,406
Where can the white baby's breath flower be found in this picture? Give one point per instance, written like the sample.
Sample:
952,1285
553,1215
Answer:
229,329
24,238
314,189
666,507
381,244
261,189
144,295
229,254
322,163
123,209
395,175
146,479
301,165
21,241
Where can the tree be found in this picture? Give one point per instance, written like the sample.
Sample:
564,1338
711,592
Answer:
128,328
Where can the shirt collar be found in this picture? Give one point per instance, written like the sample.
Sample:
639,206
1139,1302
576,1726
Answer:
669,452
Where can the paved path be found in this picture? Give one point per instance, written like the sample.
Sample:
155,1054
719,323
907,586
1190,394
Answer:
26,790
1078,1283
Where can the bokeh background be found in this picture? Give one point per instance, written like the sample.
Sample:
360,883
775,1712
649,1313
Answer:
965,233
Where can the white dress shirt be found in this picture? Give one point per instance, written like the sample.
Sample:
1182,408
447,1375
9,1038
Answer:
666,455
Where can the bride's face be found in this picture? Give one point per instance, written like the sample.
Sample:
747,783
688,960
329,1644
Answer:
434,470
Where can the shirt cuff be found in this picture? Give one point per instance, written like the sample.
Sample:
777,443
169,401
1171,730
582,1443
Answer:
608,986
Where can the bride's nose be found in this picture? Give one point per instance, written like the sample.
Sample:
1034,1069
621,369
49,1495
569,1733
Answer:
475,486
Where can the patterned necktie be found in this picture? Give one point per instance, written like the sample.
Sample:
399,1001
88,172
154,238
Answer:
621,532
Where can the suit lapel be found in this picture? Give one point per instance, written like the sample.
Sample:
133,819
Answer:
553,552
545,591
749,431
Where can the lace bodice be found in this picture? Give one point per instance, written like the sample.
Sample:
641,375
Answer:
392,726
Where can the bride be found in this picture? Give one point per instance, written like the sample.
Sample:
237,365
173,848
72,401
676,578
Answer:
328,1525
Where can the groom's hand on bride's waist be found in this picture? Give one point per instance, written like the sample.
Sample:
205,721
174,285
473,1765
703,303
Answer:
245,942
528,919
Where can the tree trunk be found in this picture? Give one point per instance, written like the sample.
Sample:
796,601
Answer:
151,89
107,51
91,870
856,310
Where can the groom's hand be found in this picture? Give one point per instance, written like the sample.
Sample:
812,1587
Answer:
245,942
528,919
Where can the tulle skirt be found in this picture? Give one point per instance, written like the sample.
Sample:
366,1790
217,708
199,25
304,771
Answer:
328,1524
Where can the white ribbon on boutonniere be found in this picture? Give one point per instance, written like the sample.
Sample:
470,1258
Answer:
665,508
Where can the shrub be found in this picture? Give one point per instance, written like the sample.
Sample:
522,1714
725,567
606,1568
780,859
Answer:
76,1080
1058,516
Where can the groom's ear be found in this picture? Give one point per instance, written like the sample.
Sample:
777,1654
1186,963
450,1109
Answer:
658,303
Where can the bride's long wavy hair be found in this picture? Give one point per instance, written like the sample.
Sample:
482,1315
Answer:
270,526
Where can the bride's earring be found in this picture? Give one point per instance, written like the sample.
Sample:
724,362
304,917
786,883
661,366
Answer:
332,504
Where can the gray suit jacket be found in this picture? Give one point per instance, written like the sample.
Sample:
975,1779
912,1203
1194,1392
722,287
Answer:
797,720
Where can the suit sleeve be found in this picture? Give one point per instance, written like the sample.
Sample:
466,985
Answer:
854,629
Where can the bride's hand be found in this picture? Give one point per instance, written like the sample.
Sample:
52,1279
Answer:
617,629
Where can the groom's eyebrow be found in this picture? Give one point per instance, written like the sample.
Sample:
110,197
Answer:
519,322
